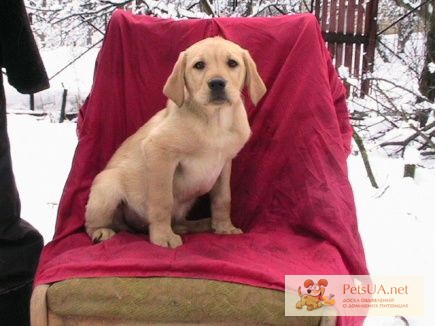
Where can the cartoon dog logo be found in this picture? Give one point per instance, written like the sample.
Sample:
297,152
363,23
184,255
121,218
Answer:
314,298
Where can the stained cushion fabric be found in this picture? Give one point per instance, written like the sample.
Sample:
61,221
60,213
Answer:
168,300
290,190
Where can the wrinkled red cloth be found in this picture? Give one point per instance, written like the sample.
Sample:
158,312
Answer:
290,189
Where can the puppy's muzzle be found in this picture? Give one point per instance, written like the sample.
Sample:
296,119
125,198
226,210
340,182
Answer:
217,88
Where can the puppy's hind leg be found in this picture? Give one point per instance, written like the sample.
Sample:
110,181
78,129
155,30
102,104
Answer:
188,226
103,204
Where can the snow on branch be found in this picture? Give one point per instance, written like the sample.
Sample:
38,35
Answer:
65,22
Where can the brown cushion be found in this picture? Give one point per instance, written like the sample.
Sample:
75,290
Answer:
162,300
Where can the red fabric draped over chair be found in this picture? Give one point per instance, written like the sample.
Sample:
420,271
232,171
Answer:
290,190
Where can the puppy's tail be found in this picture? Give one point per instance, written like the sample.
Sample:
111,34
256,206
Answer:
197,226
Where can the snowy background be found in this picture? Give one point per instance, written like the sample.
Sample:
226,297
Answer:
396,221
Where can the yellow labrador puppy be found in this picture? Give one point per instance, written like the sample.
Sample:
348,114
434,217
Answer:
182,152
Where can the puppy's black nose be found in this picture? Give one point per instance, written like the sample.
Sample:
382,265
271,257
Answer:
309,291
217,84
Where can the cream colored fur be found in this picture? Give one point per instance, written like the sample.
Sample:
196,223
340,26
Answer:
181,153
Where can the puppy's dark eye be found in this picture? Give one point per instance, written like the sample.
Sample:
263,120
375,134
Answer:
232,63
199,65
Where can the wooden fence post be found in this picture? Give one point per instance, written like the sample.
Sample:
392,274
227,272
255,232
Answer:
370,47
62,109
32,102
411,159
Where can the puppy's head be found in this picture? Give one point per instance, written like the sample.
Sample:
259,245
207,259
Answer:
213,72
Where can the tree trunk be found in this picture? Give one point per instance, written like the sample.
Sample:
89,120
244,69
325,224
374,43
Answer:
427,80
206,7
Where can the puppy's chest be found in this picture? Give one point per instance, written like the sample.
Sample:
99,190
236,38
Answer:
197,174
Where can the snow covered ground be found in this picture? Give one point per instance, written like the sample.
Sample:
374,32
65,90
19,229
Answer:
42,153
396,221
396,224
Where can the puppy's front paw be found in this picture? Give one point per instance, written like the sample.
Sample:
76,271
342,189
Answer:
102,234
168,240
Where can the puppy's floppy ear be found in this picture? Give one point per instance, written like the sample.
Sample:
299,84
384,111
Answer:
174,87
308,283
253,81
323,282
